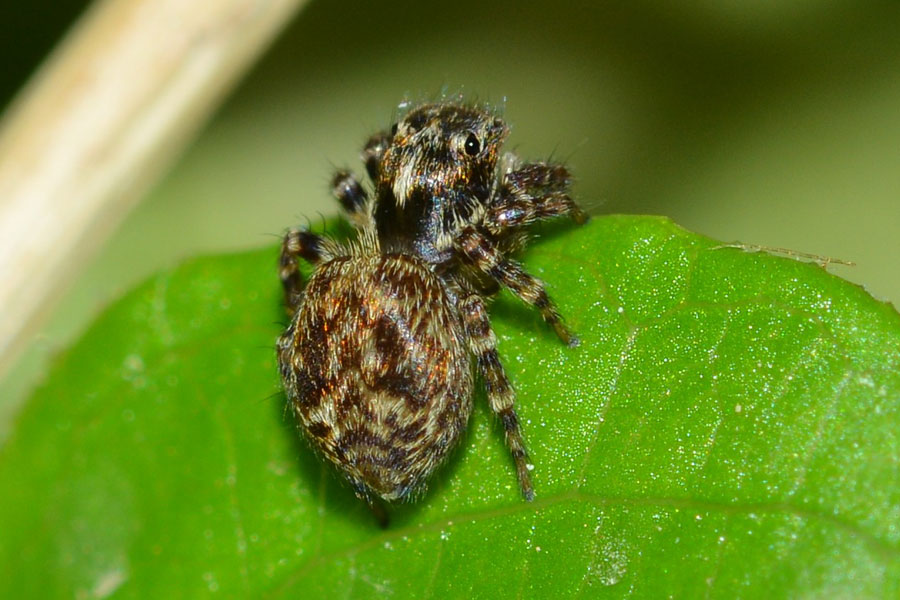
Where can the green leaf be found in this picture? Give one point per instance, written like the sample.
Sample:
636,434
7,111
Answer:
728,428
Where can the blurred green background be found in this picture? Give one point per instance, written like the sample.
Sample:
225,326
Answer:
774,123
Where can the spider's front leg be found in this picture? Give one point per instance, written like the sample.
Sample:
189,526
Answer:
299,244
372,153
350,193
353,198
529,193
484,255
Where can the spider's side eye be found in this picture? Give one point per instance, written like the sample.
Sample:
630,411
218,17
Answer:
393,130
472,145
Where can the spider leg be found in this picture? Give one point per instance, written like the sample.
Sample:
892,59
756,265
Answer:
299,244
532,192
500,394
372,153
352,196
349,191
481,252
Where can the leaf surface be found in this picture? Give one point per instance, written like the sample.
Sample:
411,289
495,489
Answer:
727,428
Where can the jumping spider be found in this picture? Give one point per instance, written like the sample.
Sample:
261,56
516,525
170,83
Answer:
377,359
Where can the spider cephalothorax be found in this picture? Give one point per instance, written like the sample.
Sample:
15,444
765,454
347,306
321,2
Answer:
435,177
377,360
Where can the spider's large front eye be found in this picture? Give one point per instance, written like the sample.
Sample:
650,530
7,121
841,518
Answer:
472,145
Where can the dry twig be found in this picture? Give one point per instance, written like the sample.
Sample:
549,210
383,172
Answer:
114,104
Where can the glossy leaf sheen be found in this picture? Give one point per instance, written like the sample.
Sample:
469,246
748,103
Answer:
728,427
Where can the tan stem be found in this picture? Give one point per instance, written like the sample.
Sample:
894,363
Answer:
111,108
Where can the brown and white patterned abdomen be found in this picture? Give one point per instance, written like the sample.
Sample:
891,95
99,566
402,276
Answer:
376,367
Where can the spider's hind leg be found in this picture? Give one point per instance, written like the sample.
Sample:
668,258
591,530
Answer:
500,394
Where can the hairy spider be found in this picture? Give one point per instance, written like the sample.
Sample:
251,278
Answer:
377,360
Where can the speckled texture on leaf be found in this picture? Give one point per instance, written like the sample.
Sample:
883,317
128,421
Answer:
728,428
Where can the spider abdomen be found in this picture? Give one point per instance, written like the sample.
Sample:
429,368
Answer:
377,369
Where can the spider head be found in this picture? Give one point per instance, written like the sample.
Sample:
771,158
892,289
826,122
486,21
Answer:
436,174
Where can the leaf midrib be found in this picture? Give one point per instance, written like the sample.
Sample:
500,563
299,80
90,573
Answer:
884,550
